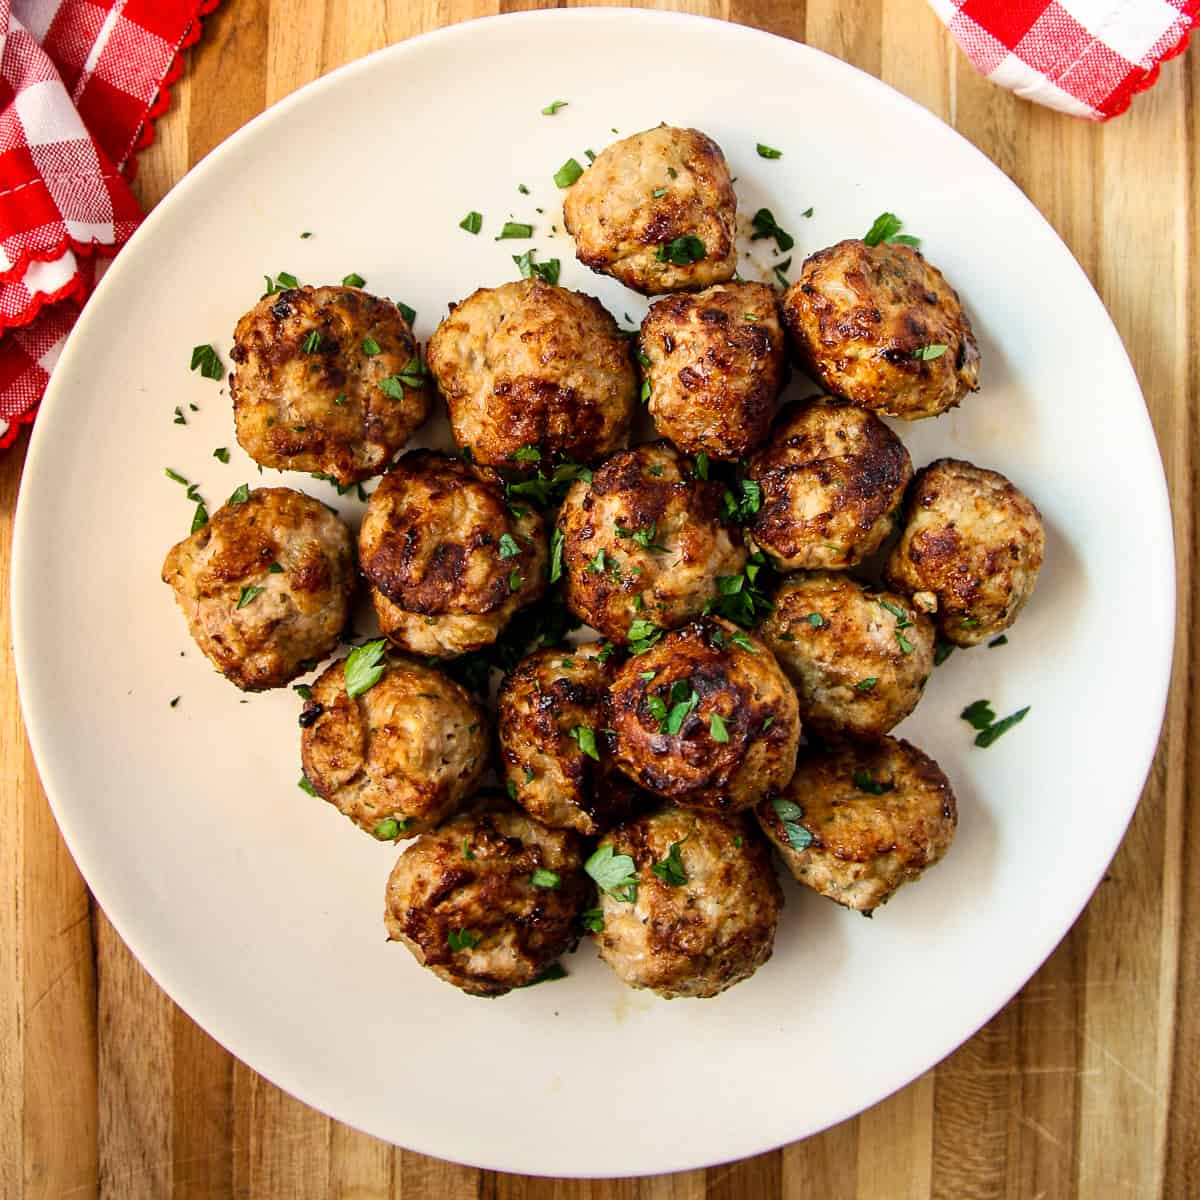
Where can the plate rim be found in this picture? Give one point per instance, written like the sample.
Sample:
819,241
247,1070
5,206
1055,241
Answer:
1161,652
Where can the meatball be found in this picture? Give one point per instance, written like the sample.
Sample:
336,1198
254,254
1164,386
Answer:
705,717
528,368
714,364
400,757
328,380
970,552
831,477
644,542
265,585
490,900
448,561
555,762
861,820
656,211
859,659
697,908
882,327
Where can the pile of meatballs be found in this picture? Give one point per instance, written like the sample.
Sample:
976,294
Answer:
770,587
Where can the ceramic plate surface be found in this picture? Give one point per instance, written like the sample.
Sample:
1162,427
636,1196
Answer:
259,909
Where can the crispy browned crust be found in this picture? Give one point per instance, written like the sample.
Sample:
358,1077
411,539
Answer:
528,364
745,687
857,316
324,410
971,550
542,700
865,846
667,586
716,363
411,748
619,224
297,613
435,888
430,539
831,477
702,936
857,672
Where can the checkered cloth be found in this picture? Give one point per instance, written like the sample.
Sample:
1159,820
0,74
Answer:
1083,57
81,83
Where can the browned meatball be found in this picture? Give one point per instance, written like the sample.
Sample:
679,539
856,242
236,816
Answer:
714,363
656,211
859,659
970,552
448,561
831,477
859,821
528,367
265,585
328,380
705,718
882,327
400,757
698,905
555,761
644,542
489,900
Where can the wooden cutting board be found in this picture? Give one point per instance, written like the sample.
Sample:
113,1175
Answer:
1084,1087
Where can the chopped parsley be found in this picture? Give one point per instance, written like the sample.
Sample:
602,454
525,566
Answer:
742,598
742,509
887,228
781,269
702,465
718,728
740,640
248,594
547,272
614,873
526,454
364,667
659,193
409,314
354,279
644,394
515,580
391,386
980,716
592,919
765,226
1002,640
303,784
866,685
816,620
643,634
508,546
180,419
682,251
542,877
370,347
643,537
585,735
568,173
549,488
390,827
553,107
670,869
791,814
463,939
866,782
221,454
768,151
472,222
903,622
930,352
206,360
941,652
312,343
556,555
240,495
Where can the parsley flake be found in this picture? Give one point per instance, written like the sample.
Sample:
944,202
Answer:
472,222
542,877
790,813
670,869
514,229
585,735
718,728
930,352
463,939
568,173
614,873
206,360
765,226
682,251
364,667
553,107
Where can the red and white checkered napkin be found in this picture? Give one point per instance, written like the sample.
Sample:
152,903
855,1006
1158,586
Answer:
81,82
1083,57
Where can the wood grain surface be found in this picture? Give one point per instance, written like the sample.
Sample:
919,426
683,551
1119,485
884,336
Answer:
1087,1085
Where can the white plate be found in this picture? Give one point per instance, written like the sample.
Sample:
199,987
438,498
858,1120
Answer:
259,909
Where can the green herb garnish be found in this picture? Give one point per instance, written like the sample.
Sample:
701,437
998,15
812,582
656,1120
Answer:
765,226
568,173
585,735
682,251
790,813
613,873
463,939
472,222
670,869
364,667
545,878
553,107
206,360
